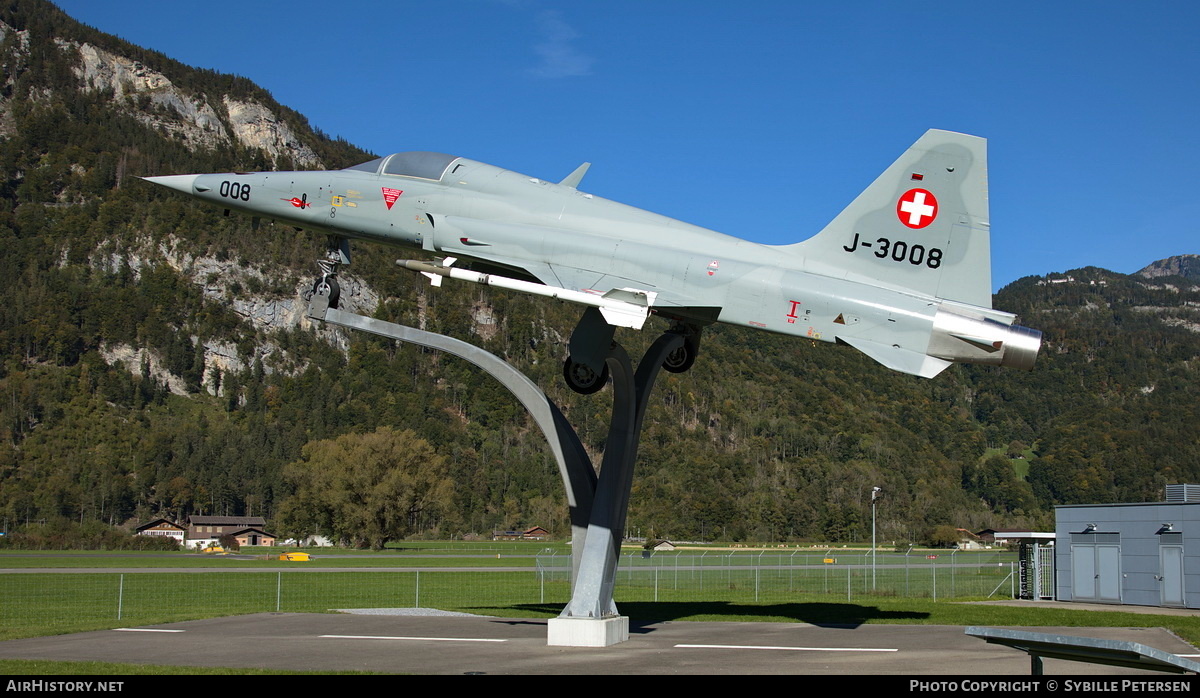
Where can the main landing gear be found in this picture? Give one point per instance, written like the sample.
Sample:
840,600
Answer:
582,379
586,367
682,358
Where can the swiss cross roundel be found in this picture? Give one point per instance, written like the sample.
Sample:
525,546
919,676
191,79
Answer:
917,208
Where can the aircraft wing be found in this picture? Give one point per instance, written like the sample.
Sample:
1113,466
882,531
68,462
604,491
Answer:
526,248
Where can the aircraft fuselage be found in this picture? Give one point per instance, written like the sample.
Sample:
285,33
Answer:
851,287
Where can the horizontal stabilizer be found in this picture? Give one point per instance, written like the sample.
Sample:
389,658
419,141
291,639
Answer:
899,359
572,180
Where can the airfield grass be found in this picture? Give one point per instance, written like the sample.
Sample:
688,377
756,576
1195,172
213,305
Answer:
441,554
788,585
264,562
37,603
47,604
408,554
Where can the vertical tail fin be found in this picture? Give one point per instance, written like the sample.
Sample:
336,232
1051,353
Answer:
922,225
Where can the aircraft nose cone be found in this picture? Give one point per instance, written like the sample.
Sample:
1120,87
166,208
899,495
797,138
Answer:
183,183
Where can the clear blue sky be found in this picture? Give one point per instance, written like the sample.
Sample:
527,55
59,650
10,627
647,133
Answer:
757,119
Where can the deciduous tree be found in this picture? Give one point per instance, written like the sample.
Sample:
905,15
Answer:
367,488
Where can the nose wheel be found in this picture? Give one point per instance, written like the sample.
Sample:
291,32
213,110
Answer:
328,286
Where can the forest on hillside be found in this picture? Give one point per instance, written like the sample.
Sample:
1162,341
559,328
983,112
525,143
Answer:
766,438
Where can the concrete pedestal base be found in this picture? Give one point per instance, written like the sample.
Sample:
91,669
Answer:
587,632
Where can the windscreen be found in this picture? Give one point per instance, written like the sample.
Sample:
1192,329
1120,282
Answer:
418,164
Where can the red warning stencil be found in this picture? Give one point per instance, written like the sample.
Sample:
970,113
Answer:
390,195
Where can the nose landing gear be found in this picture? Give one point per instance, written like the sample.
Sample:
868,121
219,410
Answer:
327,285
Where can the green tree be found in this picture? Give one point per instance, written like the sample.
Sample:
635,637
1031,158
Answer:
943,536
367,488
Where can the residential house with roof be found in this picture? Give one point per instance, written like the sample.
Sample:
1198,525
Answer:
535,533
162,528
204,531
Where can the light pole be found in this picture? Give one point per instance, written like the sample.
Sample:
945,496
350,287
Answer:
874,495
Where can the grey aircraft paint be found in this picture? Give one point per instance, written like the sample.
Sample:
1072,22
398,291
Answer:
902,274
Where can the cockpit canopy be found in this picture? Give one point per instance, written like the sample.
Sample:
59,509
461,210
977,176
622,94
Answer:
420,164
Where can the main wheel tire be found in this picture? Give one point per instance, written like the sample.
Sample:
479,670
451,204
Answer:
681,359
582,379
328,286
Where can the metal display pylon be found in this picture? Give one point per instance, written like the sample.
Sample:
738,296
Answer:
598,505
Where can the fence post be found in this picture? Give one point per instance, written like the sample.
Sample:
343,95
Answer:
953,574
864,565
278,589
417,600
121,596
933,574
906,554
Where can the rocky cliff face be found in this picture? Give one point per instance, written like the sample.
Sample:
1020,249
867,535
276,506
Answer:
1185,265
195,119
225,282
254,126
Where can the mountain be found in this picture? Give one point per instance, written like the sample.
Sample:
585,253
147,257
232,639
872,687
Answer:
1186,266
154,358
1113,400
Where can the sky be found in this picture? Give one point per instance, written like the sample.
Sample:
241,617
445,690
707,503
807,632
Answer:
757,119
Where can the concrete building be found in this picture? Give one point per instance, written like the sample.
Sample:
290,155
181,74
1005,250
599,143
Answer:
1139,554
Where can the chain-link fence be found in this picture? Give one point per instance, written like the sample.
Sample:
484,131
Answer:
780,576
55,601
37,603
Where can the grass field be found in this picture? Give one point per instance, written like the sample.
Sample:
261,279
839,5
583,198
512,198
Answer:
768,586
41,604
265,561
415,554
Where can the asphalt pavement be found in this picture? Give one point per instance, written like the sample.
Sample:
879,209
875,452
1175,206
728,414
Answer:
483,645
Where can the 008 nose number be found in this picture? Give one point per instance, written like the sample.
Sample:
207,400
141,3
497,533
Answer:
235,190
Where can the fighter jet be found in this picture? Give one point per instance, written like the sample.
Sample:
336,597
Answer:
902,274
